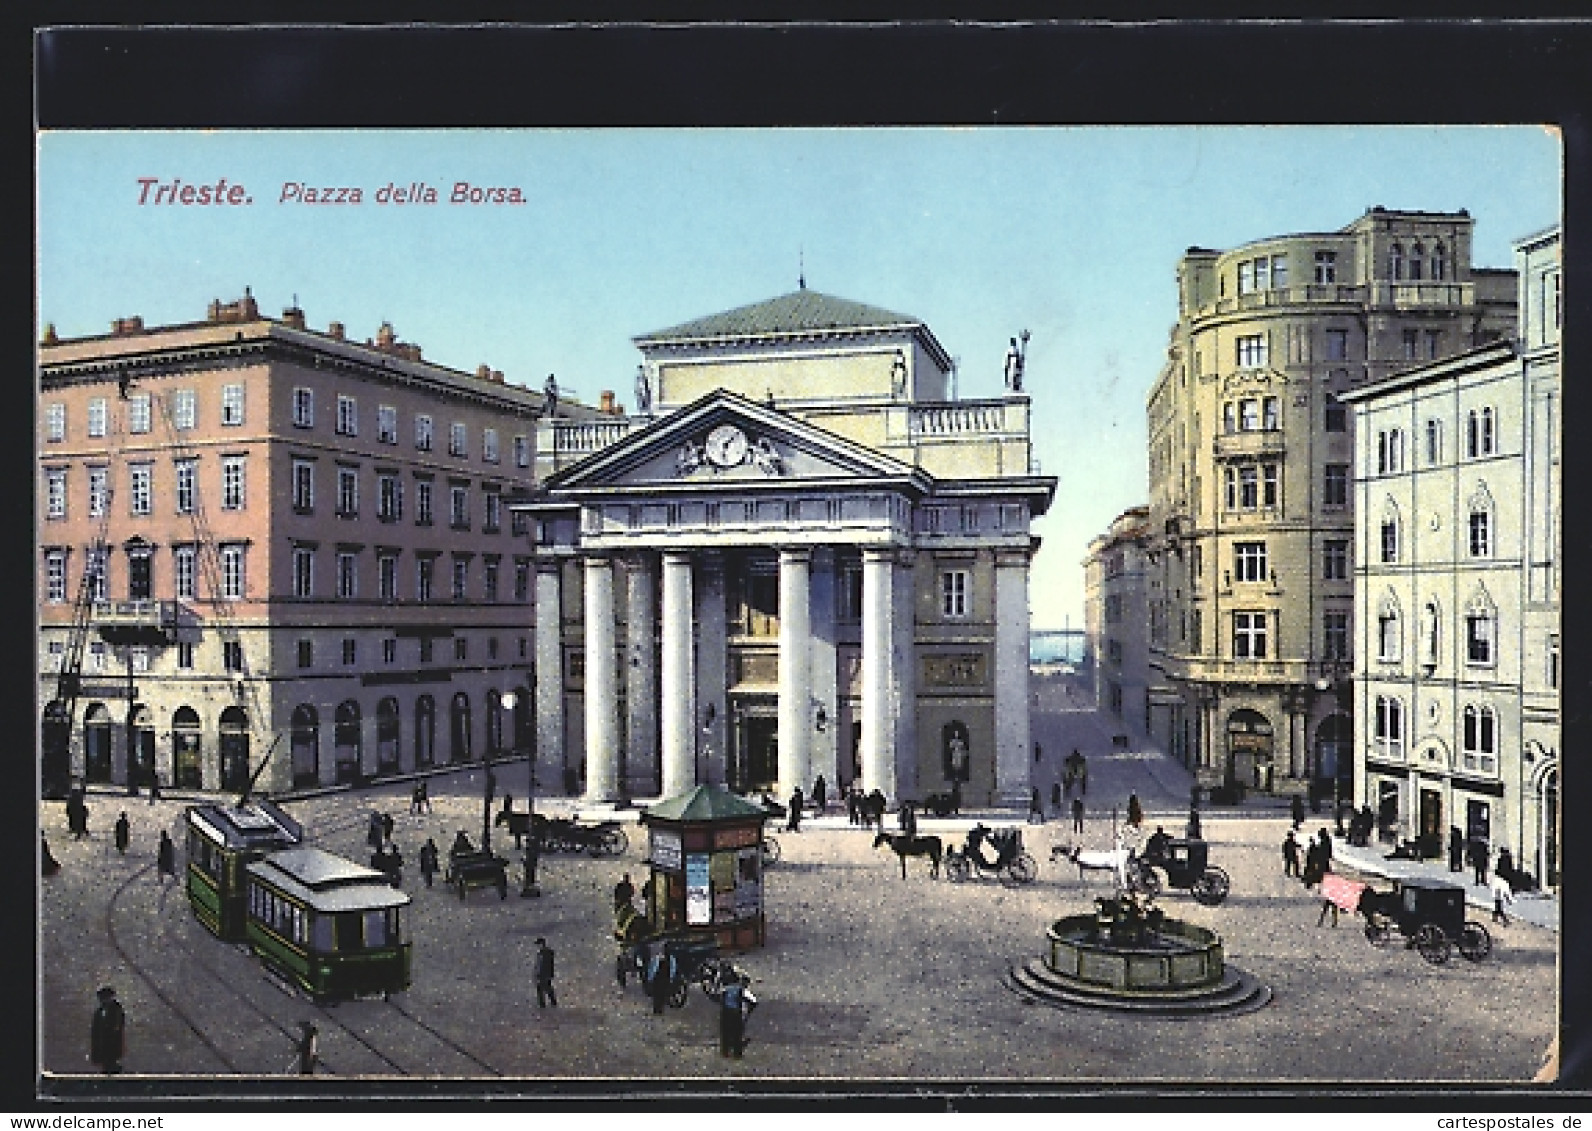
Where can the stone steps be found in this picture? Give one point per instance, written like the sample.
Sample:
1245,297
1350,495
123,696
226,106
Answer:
1235,994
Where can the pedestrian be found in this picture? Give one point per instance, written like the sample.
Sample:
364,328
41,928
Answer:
425,795
851,805
1193,828
77,814
544,975
1505,866
909,819
1290,855
624,893
123,833
661,970
386,828
1036,807
416,796
1456,849
1083,776
1478,859
308,1048
1502,893
375,833
108,1033
165,858
428,860
820,794
1077,814
1327,905
1055,798
1135,811
48,864
735,1006
1296,809
1313,866
794,823
1325,840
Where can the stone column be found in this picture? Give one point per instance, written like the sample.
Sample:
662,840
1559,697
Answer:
878,730
904,671
549,692
821,670
712,703
1012,743
795,688
602,683
678,708
641,678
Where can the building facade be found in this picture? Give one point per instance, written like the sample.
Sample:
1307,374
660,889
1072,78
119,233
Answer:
309,561
1250,458
1116,615
1457,588
802,558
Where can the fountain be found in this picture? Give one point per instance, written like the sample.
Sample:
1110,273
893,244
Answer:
1130,957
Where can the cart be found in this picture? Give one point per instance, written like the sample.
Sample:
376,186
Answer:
1429,915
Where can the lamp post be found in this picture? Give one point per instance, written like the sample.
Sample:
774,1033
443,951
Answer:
528,888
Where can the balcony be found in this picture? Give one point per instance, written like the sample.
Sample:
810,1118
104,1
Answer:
141,621
1235,445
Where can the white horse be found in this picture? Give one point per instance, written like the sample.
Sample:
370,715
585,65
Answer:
1114,861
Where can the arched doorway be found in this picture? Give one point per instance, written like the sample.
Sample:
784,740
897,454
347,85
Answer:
186,766
494,724
1332,774
97,743
387,727
459,728
955,752
1250,743
425,732
306,742
523,730
346,740
141,758
234,749
1550,829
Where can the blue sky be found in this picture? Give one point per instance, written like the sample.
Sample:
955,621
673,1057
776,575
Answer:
1070,233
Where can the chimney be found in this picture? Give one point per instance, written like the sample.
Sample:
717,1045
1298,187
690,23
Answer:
293,317
121,327
483,372
385,337
497,376
605,403
334,331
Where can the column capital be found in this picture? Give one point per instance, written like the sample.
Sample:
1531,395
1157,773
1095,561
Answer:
678,557
795,554
596,561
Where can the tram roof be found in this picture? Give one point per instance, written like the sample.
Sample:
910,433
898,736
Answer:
326,882
257,824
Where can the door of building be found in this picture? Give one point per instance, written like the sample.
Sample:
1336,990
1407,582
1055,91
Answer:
1478,821
1429,829
756,752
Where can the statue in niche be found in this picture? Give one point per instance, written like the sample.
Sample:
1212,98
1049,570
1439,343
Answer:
550,397
688,459
898,375
1016,356
767,459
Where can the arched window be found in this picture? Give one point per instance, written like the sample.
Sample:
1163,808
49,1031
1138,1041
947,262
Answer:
1389,631
387,735
1417,255
425,732
305,738
1390,533
1431,634
1395,261
346,740
494,723
97,743
234,749
1481,524
1434,442
1480,747
1481,631
186,768
1439,261
459,728
1389,727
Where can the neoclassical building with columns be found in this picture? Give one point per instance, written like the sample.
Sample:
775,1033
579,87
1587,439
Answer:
800,558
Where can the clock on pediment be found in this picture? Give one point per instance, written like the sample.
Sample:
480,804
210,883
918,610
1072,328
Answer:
726,446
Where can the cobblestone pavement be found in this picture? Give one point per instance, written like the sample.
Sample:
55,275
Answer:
866,976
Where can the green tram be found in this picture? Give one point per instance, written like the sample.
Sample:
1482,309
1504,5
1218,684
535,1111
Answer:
222,839
327,924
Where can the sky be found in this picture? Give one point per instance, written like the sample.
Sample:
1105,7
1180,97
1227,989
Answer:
1070,233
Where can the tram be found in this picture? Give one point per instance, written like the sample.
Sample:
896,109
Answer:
328,925
222,840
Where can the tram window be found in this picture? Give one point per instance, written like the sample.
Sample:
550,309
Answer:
298,925
346,933
321,933
375,928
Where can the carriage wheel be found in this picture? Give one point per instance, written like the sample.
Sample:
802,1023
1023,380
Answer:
1378,933
1211,887
1022,869
678,992
957,867
1434,946
1474,942
770,851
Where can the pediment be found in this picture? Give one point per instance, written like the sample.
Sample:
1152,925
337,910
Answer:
726,440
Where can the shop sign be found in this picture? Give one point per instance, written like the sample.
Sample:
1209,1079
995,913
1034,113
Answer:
665,850
698,893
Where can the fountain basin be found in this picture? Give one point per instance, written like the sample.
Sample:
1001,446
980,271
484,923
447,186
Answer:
1175,956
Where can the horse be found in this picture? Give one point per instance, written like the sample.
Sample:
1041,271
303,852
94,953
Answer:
870,808
1115,861
520,824
904,846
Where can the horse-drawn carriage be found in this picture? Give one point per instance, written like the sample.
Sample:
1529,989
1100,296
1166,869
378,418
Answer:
1184,860
561,834
476,869
1010,861
1429,915
696,958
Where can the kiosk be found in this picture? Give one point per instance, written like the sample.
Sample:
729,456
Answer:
704,849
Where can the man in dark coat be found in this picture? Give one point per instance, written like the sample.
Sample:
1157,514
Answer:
123,833
544,975
108,1034
820,794
1456,849
1077,814
1290,855
1478,853
794,824
735,1006
624,892
661,968
1296,810
166,858
428,860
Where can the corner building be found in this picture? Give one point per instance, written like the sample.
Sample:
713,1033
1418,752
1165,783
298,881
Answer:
309,561
1251,588
1116,619
801,558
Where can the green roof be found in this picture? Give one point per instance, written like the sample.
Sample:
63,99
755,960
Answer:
705,803
798,312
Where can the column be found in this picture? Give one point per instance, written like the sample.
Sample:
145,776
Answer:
878,760
602,683
795,686
549,675
678,708
712,717
821,670
1011,677
640,767
904,670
